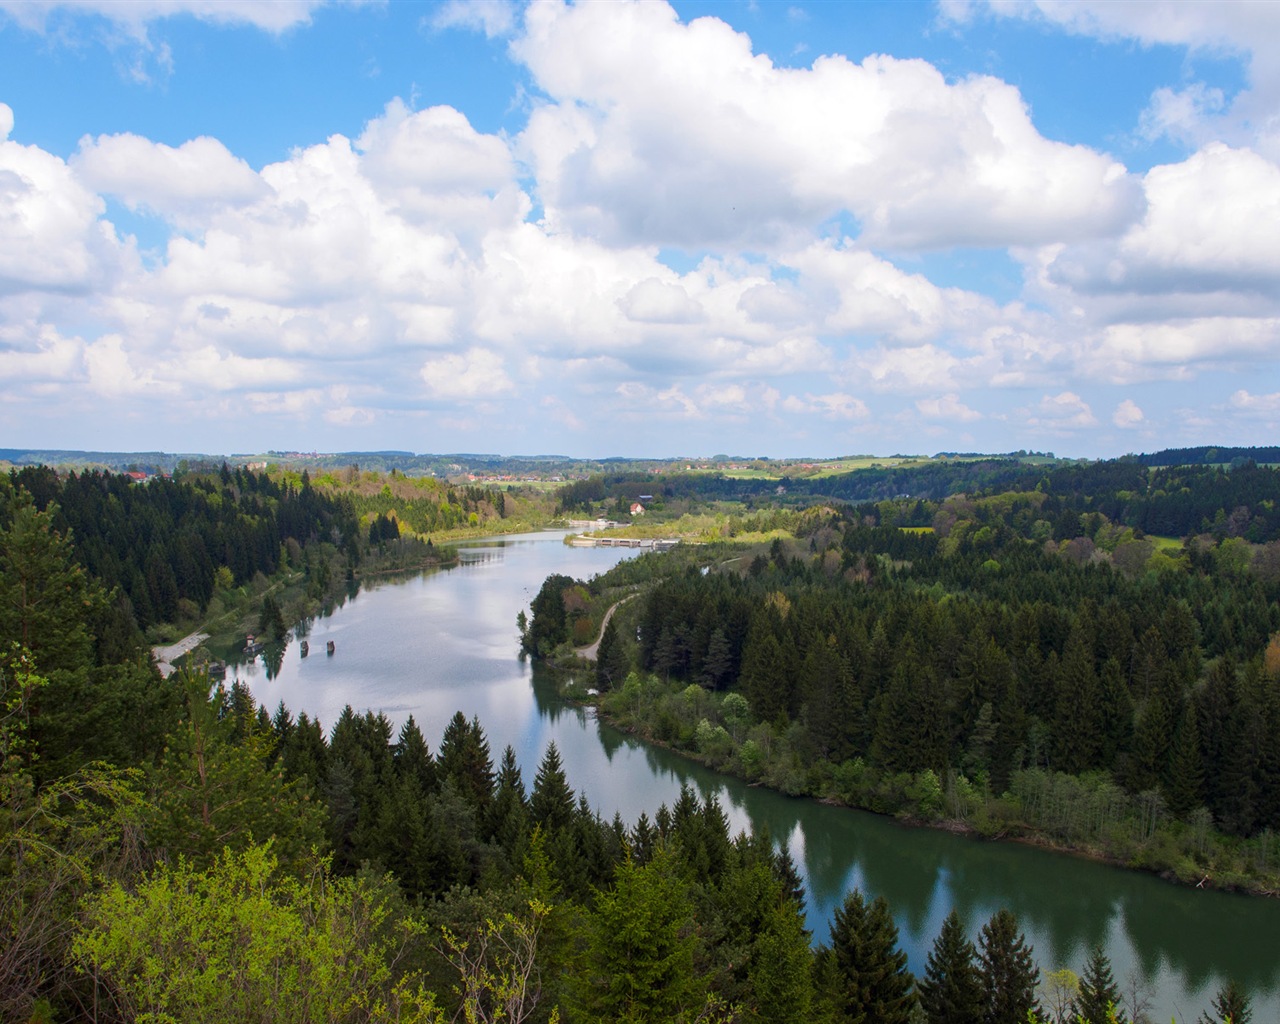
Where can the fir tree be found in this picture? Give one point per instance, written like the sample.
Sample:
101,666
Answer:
1229,1006
1009,975
864,972
1099,995
951,989
551,805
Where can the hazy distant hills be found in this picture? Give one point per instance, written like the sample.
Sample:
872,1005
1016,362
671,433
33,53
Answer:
515,466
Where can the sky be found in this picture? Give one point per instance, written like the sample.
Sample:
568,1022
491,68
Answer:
639,229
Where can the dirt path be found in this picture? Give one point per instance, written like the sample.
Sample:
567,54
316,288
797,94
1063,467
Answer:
589,652
166,656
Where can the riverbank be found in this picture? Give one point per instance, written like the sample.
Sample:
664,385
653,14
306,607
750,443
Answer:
693,723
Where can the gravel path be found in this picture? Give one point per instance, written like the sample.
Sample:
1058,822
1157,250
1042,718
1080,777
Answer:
166,656
589,652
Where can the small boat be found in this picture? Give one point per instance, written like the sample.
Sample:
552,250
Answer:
329,647
306,648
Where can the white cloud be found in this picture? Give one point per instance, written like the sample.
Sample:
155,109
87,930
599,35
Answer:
667,133
1250,31
948,408
834,406
1266,406
1180,113
187,183
660,302
476,373
1127,415
52,359
134,15
1063,412
50,233
492,17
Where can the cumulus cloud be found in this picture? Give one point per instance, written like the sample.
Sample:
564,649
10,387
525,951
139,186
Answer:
1063,412
51,236
654,301
948,408
662,132
1127,415
471,374
186,183
1266,406
1194,112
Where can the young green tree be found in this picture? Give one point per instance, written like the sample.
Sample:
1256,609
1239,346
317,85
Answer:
244,941
209,792
1229,1006
641,948
611,659
1099,994
951,989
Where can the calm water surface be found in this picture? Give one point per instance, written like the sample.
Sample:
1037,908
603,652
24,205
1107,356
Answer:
432,644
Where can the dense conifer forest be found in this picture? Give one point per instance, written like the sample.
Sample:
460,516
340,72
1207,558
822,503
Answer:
169,851
1027,662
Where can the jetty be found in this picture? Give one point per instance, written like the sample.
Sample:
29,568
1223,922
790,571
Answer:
649,543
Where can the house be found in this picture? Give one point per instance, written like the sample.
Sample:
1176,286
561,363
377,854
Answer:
637,509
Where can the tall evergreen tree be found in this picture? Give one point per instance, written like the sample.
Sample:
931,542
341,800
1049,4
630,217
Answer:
552,802
1009,975
611,659
951,989
1229,1006
1099,995
864,973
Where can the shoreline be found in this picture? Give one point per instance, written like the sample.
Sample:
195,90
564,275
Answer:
1022,834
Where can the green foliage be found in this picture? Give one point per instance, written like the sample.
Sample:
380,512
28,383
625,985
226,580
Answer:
641,947
54,840
211,790
244,941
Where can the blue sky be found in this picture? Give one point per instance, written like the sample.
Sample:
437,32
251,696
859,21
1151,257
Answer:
639,229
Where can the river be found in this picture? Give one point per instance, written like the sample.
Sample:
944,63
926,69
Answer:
434,643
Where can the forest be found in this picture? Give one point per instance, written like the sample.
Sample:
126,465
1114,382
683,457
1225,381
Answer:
1030,662
170,851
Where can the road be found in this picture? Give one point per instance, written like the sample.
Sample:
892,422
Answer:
166,656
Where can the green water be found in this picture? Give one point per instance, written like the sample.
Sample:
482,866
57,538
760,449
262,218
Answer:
432,644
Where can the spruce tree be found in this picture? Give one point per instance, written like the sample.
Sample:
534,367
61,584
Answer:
1009,975
951,990
864,972
1229,1006
611,659
552,803
1099,994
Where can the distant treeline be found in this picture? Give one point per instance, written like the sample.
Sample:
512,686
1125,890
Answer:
1176,501
1210,456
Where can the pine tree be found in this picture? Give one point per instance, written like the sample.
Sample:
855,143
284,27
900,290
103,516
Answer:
951,990
641,947
611,659
1229,1006
1099,995
551,805
464,759
864,972
1009,975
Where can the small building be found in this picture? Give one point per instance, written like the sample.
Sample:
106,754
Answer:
637,509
